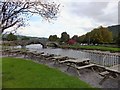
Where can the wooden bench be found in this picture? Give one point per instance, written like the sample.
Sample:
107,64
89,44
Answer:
83,67
104,73
59,59
78,64
86,66
109,73
75,61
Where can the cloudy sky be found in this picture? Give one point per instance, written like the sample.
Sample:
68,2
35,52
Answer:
76,17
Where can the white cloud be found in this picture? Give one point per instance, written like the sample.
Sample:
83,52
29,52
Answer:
74,23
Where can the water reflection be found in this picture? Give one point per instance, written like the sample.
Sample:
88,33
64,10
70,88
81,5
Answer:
34,46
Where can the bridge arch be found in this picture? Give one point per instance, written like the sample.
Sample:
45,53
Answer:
24,44
53,43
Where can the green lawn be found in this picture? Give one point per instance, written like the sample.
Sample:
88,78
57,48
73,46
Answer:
19,73
102,48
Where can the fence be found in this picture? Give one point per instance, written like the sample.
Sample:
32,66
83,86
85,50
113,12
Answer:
105,59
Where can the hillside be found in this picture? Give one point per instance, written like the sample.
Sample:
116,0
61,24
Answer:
115,30
20,37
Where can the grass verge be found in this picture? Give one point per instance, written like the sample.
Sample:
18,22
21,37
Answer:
20,73
102,48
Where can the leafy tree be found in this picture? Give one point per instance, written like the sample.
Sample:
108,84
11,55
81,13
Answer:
11,37
118,40
71,42
64,37
97,35
81,39
25,38
102,35
115,31
53,38
75,37
14,13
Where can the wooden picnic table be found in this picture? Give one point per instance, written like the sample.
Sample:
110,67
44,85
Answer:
74,63
58,59
78,64
110,72
77,61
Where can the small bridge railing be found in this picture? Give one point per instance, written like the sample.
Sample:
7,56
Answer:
105,59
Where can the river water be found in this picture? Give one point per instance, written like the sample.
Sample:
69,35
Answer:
58,51
107,60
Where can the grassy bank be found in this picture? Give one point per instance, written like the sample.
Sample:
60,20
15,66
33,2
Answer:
102,48
19,73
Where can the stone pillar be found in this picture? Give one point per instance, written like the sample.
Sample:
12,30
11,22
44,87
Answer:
23,46
44,46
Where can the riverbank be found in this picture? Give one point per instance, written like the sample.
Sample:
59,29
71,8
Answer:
100,48
50,72
21,73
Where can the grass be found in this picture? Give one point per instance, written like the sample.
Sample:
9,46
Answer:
102,48
20,73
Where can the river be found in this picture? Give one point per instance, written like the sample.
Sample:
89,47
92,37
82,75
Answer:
79,54
58,51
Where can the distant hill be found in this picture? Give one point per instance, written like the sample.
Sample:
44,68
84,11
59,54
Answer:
30,37
19,37
115,30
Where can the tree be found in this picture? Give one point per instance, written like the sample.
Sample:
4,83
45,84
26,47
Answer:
64,37
97,35
100,35
53,38
25,38
118,40
11,37
14,13
75,37
71,42
81,39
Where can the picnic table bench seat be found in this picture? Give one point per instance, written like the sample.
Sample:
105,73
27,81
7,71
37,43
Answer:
81,67
78,64
74,60
109,73
86,66
104,73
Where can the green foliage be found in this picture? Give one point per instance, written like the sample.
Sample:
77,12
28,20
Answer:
76,38
97,35
11,37
118,39
53,38
115,32
81,39
25,38
64,37
20,73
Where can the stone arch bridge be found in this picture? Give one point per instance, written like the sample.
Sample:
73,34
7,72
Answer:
24,43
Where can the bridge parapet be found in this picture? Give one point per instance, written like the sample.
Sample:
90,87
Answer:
24,43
